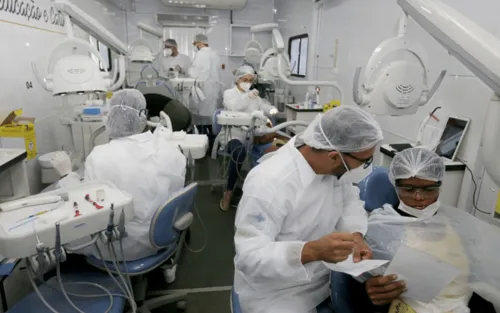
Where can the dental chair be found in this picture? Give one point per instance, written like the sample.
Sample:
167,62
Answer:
167,233
376,190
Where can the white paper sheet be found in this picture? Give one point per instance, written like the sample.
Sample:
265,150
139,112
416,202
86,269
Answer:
425,275
355,269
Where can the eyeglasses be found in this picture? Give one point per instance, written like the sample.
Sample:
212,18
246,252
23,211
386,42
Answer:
366,162
426,192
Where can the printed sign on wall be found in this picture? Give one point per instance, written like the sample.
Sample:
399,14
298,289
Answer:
33,13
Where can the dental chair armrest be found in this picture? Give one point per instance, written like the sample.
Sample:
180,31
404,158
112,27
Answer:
184,221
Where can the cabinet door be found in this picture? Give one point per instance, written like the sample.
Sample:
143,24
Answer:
487,197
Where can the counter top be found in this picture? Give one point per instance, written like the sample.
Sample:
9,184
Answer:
300,108
9,157
450,166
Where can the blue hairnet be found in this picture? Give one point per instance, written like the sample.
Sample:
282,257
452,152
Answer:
202,38
243,71
417,162
126,116
170,43
344,129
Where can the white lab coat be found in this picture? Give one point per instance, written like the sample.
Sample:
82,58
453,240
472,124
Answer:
236,100
181,60
206,70
284,205
146,167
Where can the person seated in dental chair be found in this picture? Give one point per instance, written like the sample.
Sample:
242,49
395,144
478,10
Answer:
422,222
139,162
241,99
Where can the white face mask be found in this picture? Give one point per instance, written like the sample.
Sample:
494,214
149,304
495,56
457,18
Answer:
425,213
355,176
167,52
245,86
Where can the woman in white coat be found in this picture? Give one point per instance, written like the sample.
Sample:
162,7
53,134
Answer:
240,98
206,70
140,163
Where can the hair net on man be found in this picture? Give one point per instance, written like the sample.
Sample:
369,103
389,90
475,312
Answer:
344,129
243,71
170,43
202,38
416,162
126,116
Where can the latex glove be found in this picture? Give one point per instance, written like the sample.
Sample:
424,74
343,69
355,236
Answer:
253,94
61,162
273,111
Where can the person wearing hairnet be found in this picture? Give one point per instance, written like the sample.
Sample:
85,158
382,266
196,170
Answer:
139,162
173,60
206,70
241,99
420,222
300,207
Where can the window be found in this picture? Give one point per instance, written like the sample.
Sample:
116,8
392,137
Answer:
297,50
105,54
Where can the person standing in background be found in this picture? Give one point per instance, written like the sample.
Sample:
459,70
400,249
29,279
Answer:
205,100
172,60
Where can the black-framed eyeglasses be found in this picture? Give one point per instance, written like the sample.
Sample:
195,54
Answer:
410,191
366,162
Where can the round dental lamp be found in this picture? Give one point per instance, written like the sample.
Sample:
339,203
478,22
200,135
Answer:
141,51
395,86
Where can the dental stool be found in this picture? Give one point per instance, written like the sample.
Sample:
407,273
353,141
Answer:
50,292
167,233
375,190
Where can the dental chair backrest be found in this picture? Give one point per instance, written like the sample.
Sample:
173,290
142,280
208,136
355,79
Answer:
376,190
173,217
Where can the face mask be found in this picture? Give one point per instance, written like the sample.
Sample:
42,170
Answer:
355,176
196,48
245,86
167,52
425,213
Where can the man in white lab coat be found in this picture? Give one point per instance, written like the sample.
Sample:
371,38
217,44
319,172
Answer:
206,70
299,208
173,61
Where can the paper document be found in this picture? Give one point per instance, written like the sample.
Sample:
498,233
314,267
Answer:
355,269
425,275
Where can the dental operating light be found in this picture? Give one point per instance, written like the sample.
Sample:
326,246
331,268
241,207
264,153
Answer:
140,50
400,86
475,48
72,69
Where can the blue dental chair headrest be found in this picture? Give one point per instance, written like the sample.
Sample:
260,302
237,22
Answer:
376,190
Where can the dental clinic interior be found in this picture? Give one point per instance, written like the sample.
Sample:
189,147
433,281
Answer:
159,156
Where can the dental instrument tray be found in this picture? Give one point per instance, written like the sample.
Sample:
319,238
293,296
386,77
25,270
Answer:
22,229
234,118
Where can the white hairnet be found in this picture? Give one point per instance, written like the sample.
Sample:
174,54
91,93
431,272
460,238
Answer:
416,162
243,71
125,117
344,129
201,38
170,43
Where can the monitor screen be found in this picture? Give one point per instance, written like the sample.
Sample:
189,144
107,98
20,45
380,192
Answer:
451,137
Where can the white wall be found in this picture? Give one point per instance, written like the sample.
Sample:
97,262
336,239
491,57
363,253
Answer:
32,40
361,25
255,12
